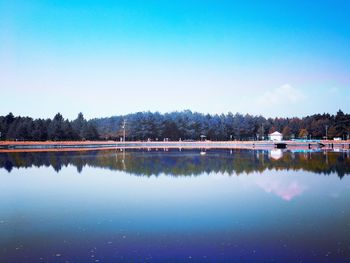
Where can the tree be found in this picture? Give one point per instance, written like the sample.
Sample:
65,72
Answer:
332,132
90,132
303,133
55,129
286,132
78,125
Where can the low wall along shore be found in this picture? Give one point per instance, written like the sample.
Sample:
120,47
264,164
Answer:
94,145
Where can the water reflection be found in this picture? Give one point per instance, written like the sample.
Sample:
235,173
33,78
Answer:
281,210
276,154
182,162
285,189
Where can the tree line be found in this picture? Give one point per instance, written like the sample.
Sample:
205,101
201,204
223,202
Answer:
188,125
56,129
184,125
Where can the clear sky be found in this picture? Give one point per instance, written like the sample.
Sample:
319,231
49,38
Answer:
104,58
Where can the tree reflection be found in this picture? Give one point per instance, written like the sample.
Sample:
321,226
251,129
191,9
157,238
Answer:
185,162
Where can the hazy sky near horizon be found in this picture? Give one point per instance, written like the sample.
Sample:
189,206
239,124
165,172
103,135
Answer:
104,58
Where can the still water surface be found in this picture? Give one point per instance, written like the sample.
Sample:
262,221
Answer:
175,206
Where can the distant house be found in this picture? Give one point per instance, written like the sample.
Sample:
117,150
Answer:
276,136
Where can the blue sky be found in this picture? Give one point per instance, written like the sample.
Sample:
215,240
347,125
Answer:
281,58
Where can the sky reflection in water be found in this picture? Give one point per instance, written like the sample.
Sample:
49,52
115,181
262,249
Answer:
240,206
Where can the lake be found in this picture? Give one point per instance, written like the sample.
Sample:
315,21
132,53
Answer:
175,206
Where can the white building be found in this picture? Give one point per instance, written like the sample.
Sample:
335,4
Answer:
276,136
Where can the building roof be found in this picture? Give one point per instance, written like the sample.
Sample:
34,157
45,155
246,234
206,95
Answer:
276,133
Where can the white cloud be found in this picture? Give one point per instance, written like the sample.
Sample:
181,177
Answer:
285,94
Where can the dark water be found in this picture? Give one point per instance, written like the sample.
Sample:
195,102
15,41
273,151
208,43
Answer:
172,206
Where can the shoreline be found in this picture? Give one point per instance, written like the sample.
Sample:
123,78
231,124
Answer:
32,146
